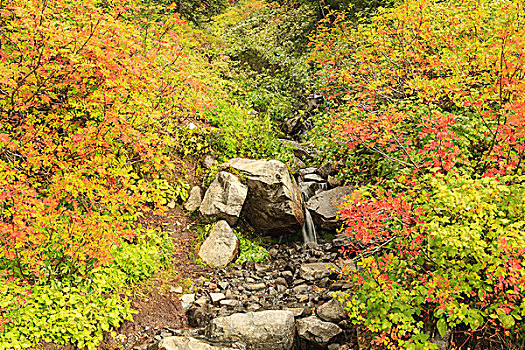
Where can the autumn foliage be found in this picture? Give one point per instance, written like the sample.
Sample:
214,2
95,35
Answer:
432,94
87,97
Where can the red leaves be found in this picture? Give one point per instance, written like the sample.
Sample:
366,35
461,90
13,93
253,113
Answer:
450,64
372,222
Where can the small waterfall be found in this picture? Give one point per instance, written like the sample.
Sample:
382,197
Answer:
309,234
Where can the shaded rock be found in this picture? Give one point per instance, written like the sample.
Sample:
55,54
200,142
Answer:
309,188
331,311
198,316
442,343
264,330
288,276
294,126
328,168
188,343
334,182
314,271
194,200
224,198
281,281
324,207
221,246
274,204
313,330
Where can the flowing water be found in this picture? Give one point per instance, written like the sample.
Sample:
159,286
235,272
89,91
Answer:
309,234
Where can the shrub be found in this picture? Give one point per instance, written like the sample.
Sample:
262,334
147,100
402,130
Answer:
79,124
265,45
431,94
250,251
58,313
78,311
453,259
406,103
81,138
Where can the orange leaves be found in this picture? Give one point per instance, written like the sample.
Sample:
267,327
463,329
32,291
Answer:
80,94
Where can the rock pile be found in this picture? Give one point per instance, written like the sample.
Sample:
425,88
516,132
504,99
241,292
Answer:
285,303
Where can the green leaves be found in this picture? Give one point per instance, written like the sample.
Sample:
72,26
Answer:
441,326
250,251
427,107
61,314
464,265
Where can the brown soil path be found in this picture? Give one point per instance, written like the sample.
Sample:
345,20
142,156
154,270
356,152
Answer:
158,306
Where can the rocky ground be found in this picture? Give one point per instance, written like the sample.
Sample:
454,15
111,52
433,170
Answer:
239,306
284,303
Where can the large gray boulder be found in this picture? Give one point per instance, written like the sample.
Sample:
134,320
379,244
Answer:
274,204
221,246
188,343
264,330
313,330
324,207
224,198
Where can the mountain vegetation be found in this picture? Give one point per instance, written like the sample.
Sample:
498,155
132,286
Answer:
421,107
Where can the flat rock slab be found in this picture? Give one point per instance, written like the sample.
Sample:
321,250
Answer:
312,329
324,207
264,330
314,271
187,301
188,343
224,198
314,177
221,247
274,204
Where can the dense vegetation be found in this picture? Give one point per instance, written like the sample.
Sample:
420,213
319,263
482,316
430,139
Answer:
429,104
80,123
423,109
